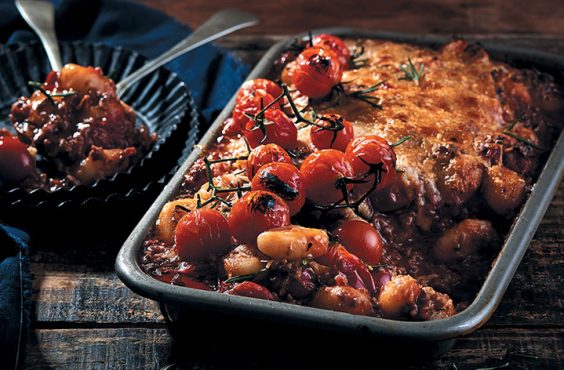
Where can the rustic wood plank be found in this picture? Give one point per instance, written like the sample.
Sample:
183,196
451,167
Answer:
434,16
148,348
98,349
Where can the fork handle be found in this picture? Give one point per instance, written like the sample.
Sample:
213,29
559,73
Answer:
40,15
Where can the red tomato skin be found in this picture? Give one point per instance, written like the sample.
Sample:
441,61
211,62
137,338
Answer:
337,45
361,239
15,161
255,212
252,290
249,104
177,278
284,180
317,71
321,172
201,233
250,86
327,139
372,149
265,154
343,261
279,129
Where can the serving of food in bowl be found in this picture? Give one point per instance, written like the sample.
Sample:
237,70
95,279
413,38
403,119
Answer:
360,175
68,137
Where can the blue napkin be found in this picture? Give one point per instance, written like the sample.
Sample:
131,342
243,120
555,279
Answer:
211,74
15,296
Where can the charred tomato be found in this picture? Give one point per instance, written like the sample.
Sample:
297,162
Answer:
284,180
255,212
317,71
265,154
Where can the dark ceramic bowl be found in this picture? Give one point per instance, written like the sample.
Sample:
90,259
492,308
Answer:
161,101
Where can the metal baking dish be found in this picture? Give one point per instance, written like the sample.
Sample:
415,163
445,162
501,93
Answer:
434,336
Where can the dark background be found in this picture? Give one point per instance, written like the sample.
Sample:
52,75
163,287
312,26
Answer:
433,16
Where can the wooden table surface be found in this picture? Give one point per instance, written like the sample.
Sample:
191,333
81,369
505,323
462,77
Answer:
85,318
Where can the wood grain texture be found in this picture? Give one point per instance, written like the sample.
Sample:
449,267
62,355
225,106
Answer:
146,348
433,16
85,318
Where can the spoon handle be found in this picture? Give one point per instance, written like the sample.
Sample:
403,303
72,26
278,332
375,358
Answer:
219,25
40,16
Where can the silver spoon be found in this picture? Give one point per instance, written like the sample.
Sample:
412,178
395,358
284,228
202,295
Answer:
40,16
219,25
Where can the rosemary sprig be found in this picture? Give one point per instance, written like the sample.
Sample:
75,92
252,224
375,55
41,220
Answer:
507,131
401,141
48,94
239,278
411,72
365,96
356,58
246,277
216,189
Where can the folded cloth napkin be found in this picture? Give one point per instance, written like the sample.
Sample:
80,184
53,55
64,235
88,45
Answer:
15,296
211,74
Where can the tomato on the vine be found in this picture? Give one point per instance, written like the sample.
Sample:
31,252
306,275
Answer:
323,173
275,127
362,239
15,161
367,151
318,70
335,132
251,86
249,104
255,212
265,154
337,45
201,233
284,180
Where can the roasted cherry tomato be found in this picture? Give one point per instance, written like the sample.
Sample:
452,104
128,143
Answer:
318,70
323,173
253,290
177,278
265,154
255,212
249,104
249,87
343,261
365,151
278,129
362,239
284,180
201,233
15,161
337,45
334,133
